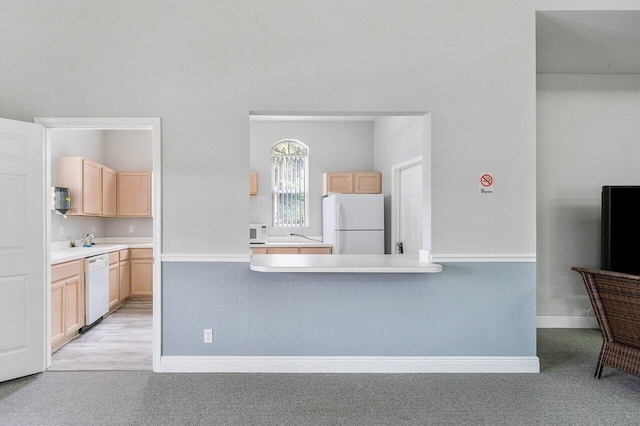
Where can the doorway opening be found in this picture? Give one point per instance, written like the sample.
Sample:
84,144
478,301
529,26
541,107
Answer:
339,142
127,337
407,204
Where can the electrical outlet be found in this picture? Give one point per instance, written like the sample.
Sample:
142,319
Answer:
208,335
130,228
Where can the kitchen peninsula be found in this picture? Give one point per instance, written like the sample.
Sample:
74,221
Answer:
343,263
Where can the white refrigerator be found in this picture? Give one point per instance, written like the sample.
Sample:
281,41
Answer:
354,223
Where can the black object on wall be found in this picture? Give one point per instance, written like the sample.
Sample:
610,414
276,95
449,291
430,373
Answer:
621,229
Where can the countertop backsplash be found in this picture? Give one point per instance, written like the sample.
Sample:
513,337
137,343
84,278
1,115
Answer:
61,245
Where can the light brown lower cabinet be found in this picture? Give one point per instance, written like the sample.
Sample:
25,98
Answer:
141,275
124,271
291,250
114,281
119,271
67,301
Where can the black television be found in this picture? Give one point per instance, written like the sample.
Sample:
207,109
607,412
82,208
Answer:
620,229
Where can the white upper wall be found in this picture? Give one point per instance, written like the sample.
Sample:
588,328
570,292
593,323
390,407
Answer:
128,150
588,137
396,140
334,146
202,67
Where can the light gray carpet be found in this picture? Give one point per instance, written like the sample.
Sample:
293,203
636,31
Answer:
563,393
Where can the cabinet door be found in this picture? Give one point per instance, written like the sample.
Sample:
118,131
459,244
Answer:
73,304
114,286
367,182
134,194
124,280
314,250
108,192
91,188
253,183
282,250
57,314
337,182
141,277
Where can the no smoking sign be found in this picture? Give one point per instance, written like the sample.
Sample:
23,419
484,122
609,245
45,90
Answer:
486,183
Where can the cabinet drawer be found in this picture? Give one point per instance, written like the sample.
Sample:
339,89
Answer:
141,253
64,270
114,258
124,255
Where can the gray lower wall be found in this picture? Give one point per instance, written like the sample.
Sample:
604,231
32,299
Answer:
470,309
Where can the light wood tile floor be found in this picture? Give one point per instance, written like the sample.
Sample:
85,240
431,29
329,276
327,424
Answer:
121,341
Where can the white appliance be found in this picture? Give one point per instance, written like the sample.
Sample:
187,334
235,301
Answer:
354,223
257,233
96,289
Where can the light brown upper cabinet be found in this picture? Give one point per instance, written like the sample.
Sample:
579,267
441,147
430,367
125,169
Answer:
84,178
108,192
134,194
367,182
253,183
337,182
351,183
92,185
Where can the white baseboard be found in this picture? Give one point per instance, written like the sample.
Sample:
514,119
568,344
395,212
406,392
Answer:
566,322
348,364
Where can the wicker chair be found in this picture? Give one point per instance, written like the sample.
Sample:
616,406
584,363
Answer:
615,298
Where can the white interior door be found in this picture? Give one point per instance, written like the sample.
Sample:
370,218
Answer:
411,209
22,250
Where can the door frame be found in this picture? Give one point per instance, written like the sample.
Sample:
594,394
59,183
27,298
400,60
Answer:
395,197
114,123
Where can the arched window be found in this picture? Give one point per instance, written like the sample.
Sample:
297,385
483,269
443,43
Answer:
289,183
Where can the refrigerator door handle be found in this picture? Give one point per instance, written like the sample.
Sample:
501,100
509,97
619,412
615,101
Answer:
337,242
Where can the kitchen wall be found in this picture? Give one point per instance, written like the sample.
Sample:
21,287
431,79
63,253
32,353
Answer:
334,146
396,139
123,150
588,136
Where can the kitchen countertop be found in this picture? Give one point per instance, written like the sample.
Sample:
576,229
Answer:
291,244
332,263
73,253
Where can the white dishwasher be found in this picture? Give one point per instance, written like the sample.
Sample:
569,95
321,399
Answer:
96,289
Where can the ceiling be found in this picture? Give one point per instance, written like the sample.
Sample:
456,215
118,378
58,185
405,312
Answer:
588,42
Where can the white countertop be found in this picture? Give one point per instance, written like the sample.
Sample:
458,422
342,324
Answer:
332,263
73,253
290,244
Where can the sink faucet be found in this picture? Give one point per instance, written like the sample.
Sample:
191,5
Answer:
88,240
